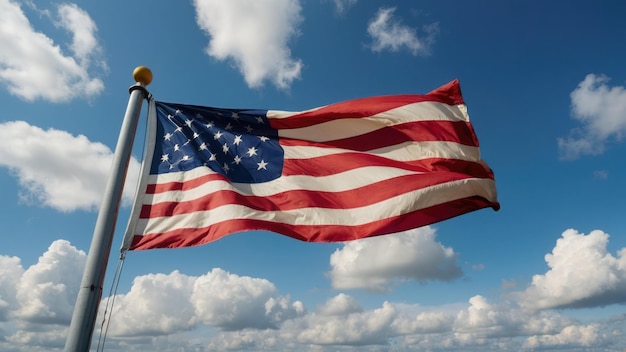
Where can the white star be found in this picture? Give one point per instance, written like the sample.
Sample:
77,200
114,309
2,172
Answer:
195,135
226,168
262,165
249,128
237,140
202,146
177,111
228,127
225,148
252,151
234,115
186,157
218,135
237,159
178,129
259,119
188,122
176,147
210,124
212,157
167,136
165,157
263,138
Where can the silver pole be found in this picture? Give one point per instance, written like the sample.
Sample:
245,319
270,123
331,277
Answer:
90,293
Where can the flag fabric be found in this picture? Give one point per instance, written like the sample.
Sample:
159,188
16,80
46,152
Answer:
345,171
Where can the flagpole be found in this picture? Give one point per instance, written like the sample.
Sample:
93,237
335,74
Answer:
90,293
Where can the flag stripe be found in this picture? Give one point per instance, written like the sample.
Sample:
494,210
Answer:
346,126
340,182
394,206
184,237
394,107
428,131
351,198
199,177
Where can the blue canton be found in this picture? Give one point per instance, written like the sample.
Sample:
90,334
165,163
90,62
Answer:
239,144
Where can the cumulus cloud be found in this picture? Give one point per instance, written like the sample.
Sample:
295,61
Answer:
582,274
601,111
339,305
10,272
39,301
47,290
411,255
159,304
180,312
571,336
254,35
57,169
33,66
388,33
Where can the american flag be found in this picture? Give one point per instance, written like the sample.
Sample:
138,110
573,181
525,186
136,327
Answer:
350,170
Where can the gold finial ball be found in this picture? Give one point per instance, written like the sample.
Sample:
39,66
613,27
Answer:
142,75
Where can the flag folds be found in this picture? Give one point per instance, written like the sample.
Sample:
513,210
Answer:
345,171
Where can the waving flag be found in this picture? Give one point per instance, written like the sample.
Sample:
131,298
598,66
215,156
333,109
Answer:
350,170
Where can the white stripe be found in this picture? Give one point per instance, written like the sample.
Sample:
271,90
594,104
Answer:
350,127
411,201
407,151
344,181
427,107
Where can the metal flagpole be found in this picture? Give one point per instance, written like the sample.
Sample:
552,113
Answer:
90,293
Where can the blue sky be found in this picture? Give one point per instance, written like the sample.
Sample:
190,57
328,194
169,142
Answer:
545,87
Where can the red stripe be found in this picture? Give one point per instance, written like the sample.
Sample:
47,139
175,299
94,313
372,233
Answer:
423,131
329,165
312,233
449,94
183,186
337,163
376,192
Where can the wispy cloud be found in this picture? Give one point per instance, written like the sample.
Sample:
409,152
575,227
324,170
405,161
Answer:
33,66
254,36
341,6
389,33
601,111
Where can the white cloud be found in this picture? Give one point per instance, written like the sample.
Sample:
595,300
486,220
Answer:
57,169
339,305
47,290
33,66
83,29
582,274
255,36
159,304
173,312
411,255
570,336
40,299
388,33
10,272
371,327
601,110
